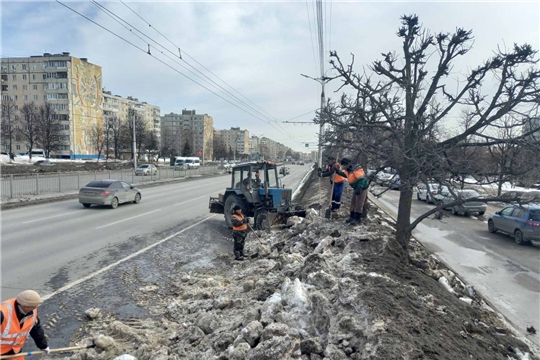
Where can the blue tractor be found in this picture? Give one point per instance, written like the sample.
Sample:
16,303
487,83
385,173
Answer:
255,187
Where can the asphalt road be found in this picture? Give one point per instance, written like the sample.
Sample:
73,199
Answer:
46,247
507,274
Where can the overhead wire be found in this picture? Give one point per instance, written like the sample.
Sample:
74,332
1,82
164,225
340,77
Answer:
192,58
311,35
164,63
204,78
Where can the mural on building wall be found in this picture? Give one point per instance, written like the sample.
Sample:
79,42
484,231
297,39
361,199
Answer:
87,104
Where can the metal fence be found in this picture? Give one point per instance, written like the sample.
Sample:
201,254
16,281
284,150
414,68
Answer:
26,185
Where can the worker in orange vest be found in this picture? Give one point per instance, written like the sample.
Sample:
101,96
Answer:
19,319
240,227
358,180
338,180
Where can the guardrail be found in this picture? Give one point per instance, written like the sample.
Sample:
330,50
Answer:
27,185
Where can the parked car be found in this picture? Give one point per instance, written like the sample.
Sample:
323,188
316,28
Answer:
382,178
301,163
432,193
520,221
283,170
108,192
466,208
146,169
43,163
394,182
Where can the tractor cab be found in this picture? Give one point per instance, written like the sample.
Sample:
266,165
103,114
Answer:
256,188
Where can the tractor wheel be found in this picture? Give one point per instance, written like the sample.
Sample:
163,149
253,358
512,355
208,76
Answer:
230,202
261,221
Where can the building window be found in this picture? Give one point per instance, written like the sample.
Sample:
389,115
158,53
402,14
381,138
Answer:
66,127
14,87
14,77
34,66
34,87
25,87
33,76
14,97
4,68
18,147
35,97
23,66
16,108
44,76
4,77
45,97
4,88
13,66
25,97
24,77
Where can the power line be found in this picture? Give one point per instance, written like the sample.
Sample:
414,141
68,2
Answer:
296,117
192,58
206,78
164,63
311,35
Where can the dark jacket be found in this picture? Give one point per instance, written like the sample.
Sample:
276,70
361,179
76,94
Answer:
36,332
330,170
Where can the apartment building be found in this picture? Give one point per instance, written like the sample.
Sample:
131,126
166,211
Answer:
254,147
116,108
196,129
236,139
71,85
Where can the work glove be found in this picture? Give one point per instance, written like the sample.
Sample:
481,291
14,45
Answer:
319,173
246,220
47,350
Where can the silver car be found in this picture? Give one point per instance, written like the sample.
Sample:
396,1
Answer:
467,208
146,169
108,192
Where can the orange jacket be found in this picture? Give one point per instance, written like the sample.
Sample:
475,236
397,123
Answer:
12,334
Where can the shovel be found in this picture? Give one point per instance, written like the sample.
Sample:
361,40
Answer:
328,212
44,352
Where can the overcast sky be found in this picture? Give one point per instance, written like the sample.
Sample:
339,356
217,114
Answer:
259,48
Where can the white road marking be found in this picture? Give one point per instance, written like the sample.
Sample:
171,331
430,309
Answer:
50,217
197,198
126,219
110,266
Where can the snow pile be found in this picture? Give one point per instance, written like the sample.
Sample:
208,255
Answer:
318,290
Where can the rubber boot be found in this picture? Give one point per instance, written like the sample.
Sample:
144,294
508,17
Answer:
351,219
238,256
356,218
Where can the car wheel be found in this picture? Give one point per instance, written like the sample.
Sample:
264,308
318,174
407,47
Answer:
86,205
481,213
114,203
518,237
454,212
137,198
491,227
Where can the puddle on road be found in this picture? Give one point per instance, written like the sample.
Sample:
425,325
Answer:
528,282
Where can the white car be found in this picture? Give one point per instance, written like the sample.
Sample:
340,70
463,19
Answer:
431,193
146,169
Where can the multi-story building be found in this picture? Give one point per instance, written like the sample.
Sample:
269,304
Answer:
71,85
254,147
195,129
116,108
236,139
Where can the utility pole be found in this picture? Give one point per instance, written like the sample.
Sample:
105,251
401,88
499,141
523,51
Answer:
134,142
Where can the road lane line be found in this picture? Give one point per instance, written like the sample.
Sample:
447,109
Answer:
110,266
197,198
50,217
126,219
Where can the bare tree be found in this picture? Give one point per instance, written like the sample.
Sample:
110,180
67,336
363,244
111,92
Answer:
97,137
48,129
29,125
220,150
167,143
115,129
402,108
9,123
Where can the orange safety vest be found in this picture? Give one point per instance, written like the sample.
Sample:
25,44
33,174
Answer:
241,227
355,175
12,334
338,179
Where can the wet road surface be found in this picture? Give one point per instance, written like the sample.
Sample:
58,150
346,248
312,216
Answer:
507,274
54,246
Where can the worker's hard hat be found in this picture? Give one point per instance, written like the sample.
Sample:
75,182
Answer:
29,298
236,207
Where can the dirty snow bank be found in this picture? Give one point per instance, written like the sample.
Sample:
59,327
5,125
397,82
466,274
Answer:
318,290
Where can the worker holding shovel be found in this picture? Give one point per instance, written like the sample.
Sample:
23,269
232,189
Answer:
18,319
337,180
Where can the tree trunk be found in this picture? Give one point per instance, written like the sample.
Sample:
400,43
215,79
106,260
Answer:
499,185
398,246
